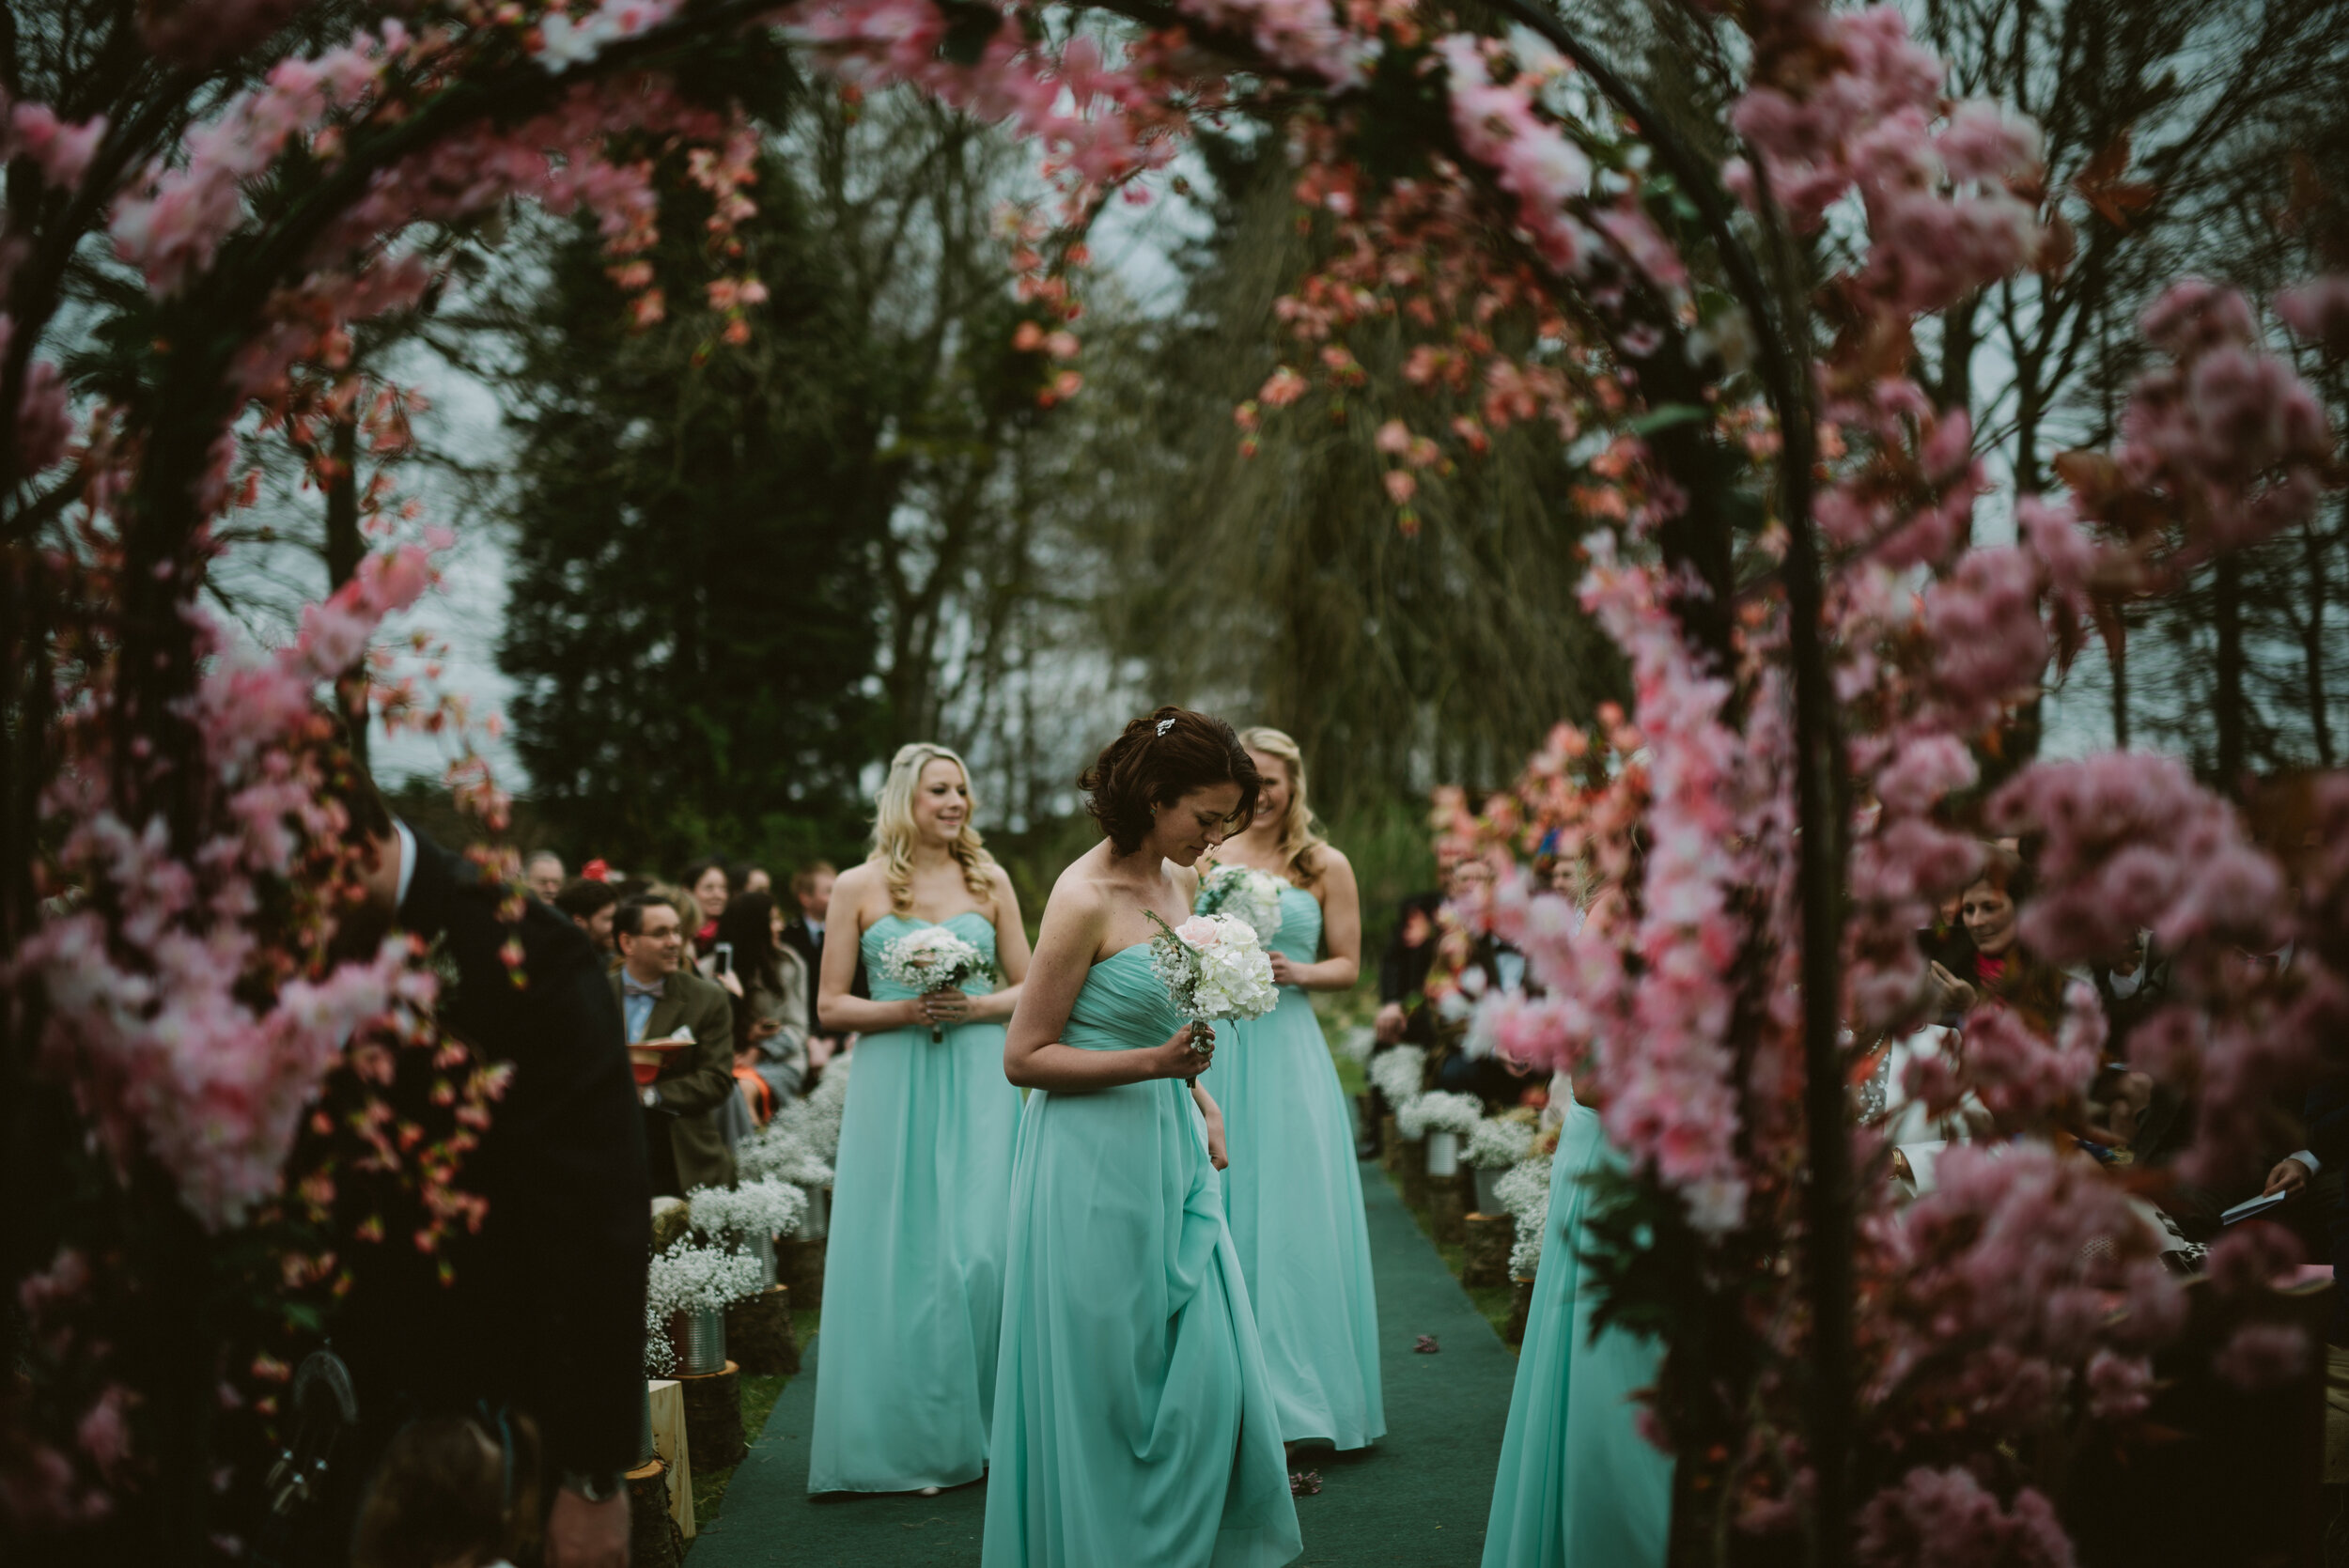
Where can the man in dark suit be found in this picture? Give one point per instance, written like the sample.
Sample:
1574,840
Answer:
659,1000
804,932
544,1312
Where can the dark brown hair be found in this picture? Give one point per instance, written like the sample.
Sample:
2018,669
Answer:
451,1489
1157,761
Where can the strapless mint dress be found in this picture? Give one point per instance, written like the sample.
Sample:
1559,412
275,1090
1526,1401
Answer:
1294,1198
1133,1421
1578,1485
914,1271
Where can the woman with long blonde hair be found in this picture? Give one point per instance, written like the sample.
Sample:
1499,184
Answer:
913,1277
1293,1194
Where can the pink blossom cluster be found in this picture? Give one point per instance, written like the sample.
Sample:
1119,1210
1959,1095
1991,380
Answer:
1303,36
1946,1518
1499,126
171,222
1867,116
2228,432
185,1036
565,40
60,150
2004,1284
1664,1056
1098,124
2129,842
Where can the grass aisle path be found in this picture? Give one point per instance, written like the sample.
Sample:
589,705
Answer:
1416,1499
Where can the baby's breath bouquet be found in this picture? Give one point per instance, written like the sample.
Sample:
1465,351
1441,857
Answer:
932,958
1213,967
1254,895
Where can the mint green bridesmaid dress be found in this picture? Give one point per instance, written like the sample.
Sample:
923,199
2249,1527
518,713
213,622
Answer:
1134,1426
914,1271
1579,1487
1293,1195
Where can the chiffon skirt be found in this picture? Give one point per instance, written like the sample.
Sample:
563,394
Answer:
1294,1199
1578,1485
914,1271
1133,1421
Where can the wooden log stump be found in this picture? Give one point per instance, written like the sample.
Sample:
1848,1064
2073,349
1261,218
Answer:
1414,1173
1448,1206
1521,1304
653,1540
1390,1145
800,1263
758,1333
1489,1238
713,1417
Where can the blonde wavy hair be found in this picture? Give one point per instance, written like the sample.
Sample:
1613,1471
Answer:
1301,835
894,830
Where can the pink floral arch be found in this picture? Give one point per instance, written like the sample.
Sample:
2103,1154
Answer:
1819,648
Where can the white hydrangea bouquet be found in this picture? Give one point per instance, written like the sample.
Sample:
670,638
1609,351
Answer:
932,958
1254,895
1213,967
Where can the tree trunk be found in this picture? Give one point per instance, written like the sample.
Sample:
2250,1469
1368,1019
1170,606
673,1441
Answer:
2227,616
2312,643
345,546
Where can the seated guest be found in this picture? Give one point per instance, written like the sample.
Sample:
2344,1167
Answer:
543,874
804,932
2000,969
589,905
685,1104
754,879
705,883
770,1022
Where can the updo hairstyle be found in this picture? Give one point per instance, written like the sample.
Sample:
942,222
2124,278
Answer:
1157,761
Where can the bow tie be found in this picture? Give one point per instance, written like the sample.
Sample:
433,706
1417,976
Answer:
630,986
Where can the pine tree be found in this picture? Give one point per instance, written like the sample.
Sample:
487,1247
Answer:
693,623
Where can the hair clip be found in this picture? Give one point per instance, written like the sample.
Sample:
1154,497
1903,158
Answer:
1165,725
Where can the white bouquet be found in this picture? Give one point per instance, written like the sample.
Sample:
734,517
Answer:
1213,967
1254,895
1439,1111
932,958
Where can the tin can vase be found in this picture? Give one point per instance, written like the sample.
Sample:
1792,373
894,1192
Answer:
700,1336
1488,1190
1444,1154
763,1248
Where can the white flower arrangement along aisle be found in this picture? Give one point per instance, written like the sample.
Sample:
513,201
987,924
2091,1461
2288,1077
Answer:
1524,1194
1247,894
1498,1143
690,1278
799,1144
1439,1111
1397,1074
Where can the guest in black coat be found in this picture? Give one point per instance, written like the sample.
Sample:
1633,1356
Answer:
546,1310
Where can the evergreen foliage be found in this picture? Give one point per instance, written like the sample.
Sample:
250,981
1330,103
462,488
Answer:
692,617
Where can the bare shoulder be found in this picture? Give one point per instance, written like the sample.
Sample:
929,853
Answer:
859,881
1328,861
999,883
